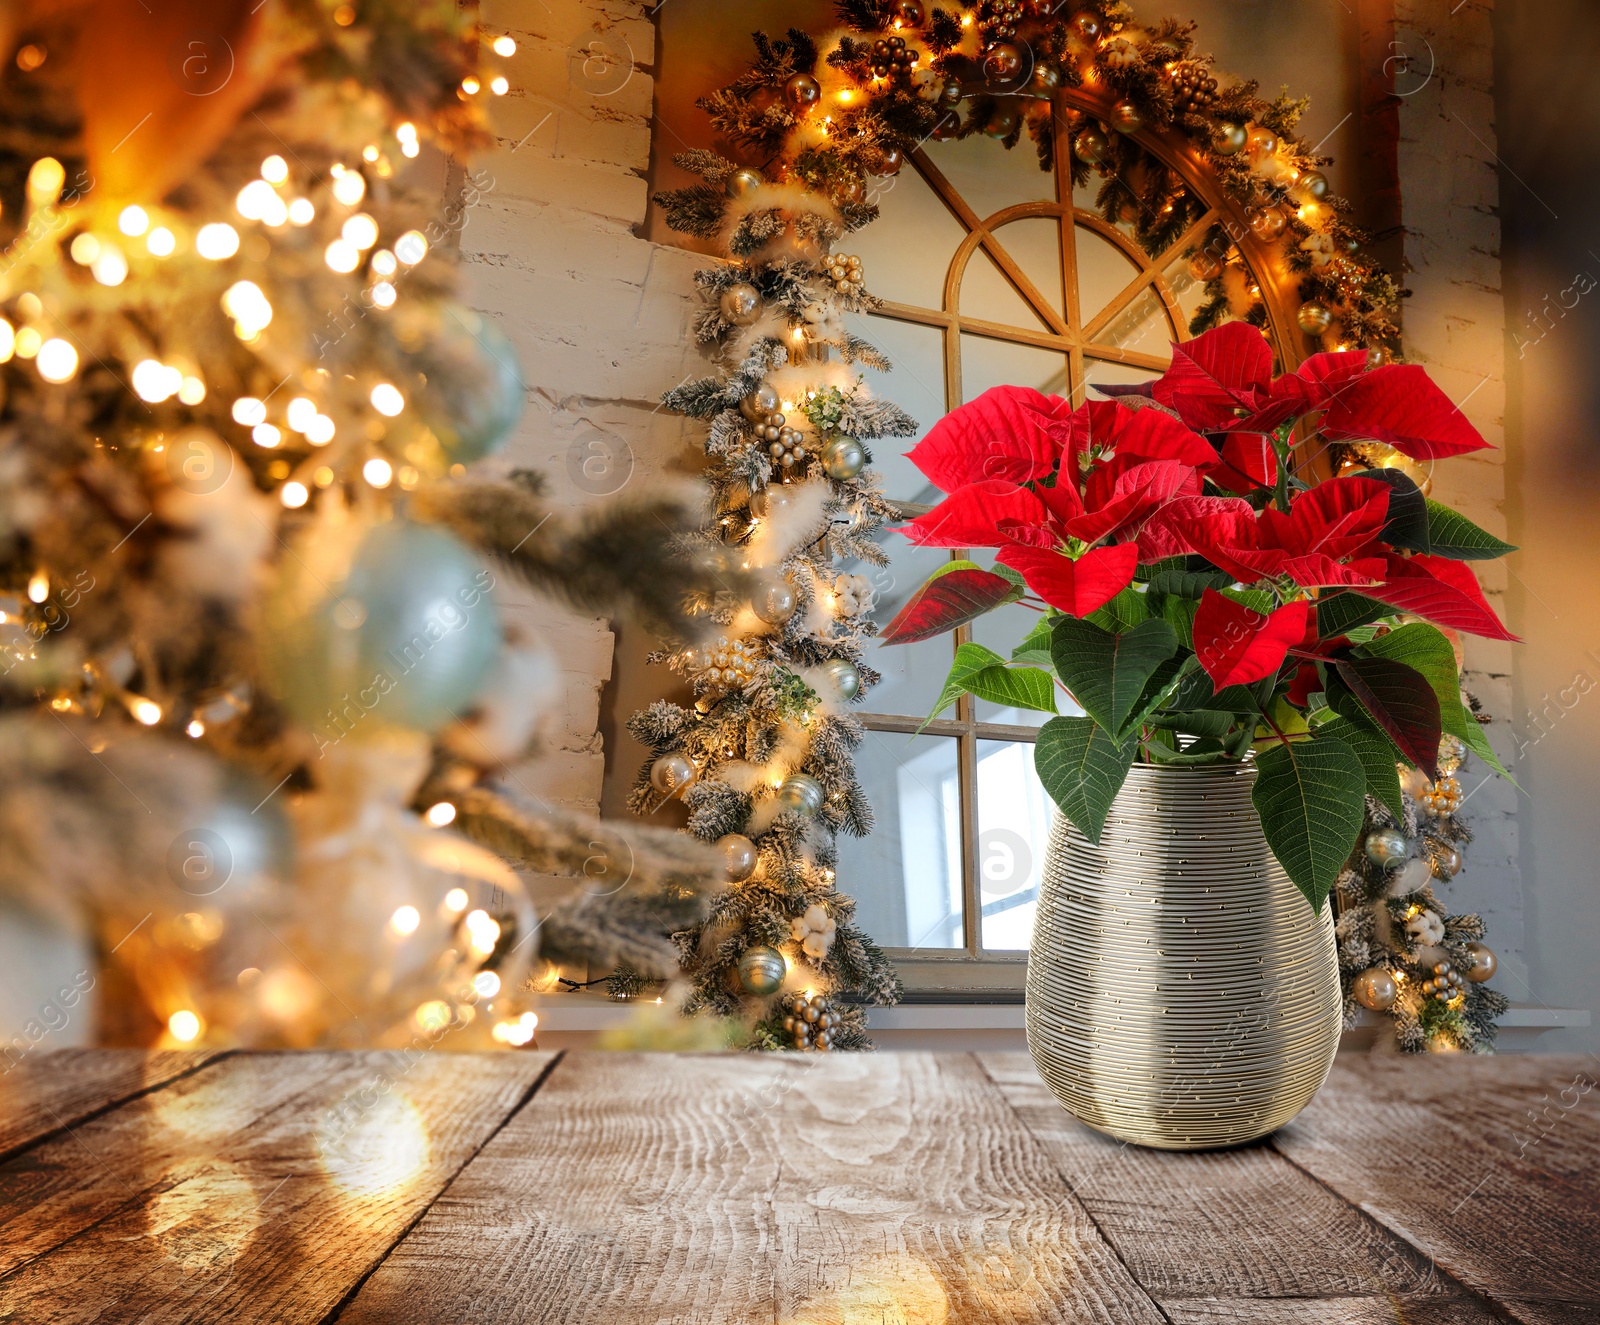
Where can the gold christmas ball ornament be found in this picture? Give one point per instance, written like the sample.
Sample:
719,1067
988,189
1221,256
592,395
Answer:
774,600
1386,847
1267,223
842,675
759,403
1046,79
1314,317
740,304
1002,120
739,856
843,458
801,793
1312,186
1260,143
1205,265
761,971
744,181
909,12
889,161
1125,117
1232,139
1447,863
1481,963
1091,144
1002,62
671,773
1375,988
802,92
1086,25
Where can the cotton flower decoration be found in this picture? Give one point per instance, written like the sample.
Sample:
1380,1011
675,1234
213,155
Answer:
1426,927
814,930
854,593
1319,248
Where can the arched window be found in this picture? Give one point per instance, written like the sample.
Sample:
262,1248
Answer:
992,271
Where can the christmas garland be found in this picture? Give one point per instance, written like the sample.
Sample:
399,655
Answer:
763,757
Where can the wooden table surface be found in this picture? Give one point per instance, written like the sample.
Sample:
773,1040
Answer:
888,1189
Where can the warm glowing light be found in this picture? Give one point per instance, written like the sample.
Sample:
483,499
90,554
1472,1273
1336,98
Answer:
191,391
342,256
109,266
319,432
38,587
184,1026
275,169
350,187
378,472
499,86
383,295
378,1149
405,920
145,711
154,381
248,411
441,814
486,984
85,248
196,729
45,180
360,230
256,199
301,211
383,263
387,400
8,341
294,494
518,1032
455,901
324,476
433,1015
217,241
966,20
483,932
469,85
846,96
266,435
245,303
161,242
28,341
302,410
504,46
58,361
411,247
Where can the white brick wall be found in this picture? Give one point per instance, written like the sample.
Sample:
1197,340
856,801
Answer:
1455,327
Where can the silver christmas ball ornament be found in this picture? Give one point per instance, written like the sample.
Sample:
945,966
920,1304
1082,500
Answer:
671,773
759,403
761,971
843,458
774,600
740,304
739,856
1375,988
1386,846
801,793
843,676
1481,963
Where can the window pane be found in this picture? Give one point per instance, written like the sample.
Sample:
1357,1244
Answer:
1142,326
906,877
987,293
907,250
1014,813
1104,271
913,674
989,178
917,385
1034,244
986,363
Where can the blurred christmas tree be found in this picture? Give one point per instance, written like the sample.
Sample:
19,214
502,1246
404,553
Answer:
252,667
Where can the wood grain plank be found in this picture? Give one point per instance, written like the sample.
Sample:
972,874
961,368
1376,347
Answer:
1233,1234
1490,1166
729,1190
51,1090
261,1189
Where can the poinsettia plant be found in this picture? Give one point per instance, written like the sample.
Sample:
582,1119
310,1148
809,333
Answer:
1204,599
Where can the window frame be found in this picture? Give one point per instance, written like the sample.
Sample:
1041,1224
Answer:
972,973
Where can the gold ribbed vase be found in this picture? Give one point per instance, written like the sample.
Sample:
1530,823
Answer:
1181,992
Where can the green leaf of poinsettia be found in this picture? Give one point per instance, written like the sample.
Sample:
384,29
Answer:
1107,673
1377,757
1311,796
1083,769
1123,612
1423,647
984,673
1337,613
1400,700
1451,534
1035,649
